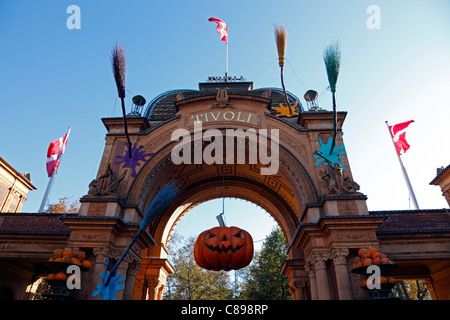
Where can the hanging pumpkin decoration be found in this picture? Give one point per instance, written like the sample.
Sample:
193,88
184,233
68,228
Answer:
223,248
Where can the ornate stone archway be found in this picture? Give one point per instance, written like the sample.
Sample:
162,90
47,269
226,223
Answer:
302,192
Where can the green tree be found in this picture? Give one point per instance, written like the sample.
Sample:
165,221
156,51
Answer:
263,280
411,290
189,281
64,206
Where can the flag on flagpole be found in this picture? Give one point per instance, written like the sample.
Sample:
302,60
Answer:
222,28
398,132
54,155
54,151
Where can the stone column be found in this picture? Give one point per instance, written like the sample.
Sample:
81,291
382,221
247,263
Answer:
319,259
121,272
101,255
297,289
153,289
161,289
312,280
130,281
339,256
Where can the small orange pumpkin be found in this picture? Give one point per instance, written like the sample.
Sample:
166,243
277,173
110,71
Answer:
57,253
51,276
75,261
366,254
61,276
86,264
357,264
376,260
80,255
363,282
367,262
68,253
376,255
361,251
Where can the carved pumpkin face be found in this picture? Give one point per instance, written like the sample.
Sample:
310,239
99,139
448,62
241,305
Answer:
223,248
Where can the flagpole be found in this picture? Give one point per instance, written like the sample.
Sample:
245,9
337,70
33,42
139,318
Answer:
226,60
47,192
405,174
52,177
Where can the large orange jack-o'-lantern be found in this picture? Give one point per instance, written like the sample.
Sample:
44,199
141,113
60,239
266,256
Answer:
223,248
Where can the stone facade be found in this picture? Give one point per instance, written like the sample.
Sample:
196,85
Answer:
315,200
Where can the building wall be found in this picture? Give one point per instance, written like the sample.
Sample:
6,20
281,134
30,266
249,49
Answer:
14,188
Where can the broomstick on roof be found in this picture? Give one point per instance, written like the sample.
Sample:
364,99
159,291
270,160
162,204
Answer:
281,39
119,69
332,59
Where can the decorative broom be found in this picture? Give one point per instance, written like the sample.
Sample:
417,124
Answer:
159,204
332,59
281,39
119,70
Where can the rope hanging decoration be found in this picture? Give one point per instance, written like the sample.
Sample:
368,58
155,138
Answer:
119,70
220,216
332,59
281,40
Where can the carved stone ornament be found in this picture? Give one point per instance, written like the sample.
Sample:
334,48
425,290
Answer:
297,286
319,259
106,184
102,254
222,99
335,182
339,255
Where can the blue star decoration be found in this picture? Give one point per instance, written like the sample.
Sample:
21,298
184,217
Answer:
137,155
324,152
109,292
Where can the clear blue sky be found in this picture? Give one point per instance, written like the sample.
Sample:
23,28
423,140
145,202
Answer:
53,78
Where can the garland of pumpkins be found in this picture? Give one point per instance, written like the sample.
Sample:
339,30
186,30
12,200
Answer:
68,256
367,257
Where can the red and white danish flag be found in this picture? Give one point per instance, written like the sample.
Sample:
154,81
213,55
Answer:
54,151
398,132
222,28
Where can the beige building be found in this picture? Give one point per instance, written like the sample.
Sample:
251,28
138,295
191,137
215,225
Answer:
442,179
14,187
